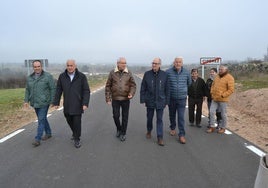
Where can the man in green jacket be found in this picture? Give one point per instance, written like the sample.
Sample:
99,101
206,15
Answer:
39,92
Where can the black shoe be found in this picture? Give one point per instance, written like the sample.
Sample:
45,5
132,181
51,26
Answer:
118,134
36,143
77,144
198,125
122,137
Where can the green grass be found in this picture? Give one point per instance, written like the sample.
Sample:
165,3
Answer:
12,99
253,82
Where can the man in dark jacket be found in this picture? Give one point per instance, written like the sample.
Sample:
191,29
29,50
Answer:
155,94
76,93
179,80
120,88
196,94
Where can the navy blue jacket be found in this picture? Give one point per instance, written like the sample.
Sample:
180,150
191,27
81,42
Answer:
178,83
155,89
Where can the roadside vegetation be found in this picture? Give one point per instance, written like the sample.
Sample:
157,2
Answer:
11,101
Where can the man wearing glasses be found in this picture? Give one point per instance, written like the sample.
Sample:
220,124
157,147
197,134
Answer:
155,94
120,88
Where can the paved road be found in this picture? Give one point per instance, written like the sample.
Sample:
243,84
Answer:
207,160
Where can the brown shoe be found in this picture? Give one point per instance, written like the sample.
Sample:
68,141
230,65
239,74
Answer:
172,132
36,143
182,140
47,136
211,130
148,135
221,131
160,142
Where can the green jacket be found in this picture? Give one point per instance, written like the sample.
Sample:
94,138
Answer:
40,91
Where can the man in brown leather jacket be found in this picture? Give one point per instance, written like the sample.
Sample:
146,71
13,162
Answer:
120,88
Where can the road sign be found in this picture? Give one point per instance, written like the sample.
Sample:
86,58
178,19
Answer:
210,60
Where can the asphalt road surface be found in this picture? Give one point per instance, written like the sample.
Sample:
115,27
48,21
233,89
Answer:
206,160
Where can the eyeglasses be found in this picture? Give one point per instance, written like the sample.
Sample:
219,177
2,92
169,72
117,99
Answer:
153,63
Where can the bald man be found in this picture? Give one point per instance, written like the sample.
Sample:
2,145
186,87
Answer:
75,89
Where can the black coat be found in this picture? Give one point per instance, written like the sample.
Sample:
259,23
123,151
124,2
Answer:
155,91
76,93
199,91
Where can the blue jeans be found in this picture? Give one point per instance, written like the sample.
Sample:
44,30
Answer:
43,124
159,121
179,107
221,106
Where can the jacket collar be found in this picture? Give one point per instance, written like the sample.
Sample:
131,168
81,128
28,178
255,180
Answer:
117,70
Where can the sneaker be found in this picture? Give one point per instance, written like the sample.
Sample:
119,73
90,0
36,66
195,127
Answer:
172,132
148,135
47,136
211,130
160,142
77,143
122,137
182,140
36,143
221,130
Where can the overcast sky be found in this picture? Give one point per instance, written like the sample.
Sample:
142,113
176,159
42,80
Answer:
100,31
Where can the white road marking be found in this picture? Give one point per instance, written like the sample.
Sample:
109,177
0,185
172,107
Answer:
11,135
255,150
227,132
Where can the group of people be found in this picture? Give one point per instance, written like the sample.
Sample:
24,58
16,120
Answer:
159,89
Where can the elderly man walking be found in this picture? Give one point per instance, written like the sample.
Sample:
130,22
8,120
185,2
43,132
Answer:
120,88
155,94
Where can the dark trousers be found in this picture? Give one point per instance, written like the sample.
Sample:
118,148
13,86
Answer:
192,103
159,121
74,122
124,105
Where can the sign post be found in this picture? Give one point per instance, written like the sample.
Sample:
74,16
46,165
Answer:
204,61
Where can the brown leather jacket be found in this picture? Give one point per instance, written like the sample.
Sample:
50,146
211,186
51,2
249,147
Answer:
119,85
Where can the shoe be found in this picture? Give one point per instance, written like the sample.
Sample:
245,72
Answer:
160,142
221,130
198,125
191,124
77,143
211,130
122,137
36,143
172,132
148,135
182,140
47,136
118,134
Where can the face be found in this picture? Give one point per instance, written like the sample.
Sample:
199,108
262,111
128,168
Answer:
121,64
71,66
37,67
178,62
194,75
222,70
156,64
212,73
